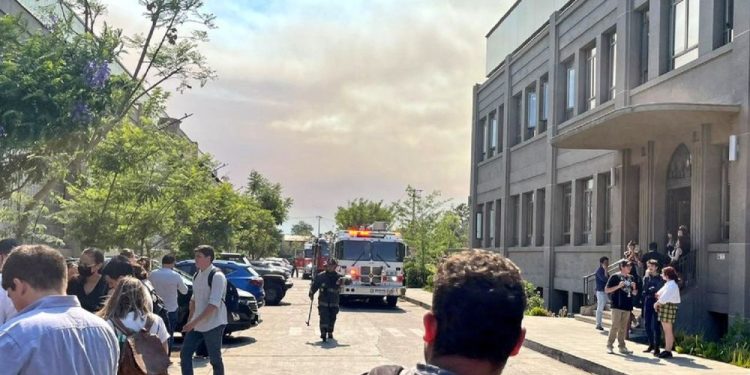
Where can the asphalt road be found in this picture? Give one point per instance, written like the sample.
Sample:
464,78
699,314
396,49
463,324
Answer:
366,336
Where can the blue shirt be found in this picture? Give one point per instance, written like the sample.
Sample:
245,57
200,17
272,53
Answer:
601,279
55,335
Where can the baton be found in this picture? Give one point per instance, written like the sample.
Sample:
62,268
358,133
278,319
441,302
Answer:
309,314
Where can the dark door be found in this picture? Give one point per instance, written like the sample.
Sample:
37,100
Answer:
678,209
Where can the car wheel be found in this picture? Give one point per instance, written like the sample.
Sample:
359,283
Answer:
273,294
391,301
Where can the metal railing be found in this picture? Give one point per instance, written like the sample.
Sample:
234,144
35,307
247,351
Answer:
589,282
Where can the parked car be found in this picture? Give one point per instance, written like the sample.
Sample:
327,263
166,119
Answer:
276,281
246,316
280,262
242,276
235,257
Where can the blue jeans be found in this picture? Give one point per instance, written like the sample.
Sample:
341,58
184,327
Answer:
171,323
651,320
190,344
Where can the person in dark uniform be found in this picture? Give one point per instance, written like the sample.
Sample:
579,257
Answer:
329,284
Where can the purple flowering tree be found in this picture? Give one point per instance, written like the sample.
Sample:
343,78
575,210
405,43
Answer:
59,97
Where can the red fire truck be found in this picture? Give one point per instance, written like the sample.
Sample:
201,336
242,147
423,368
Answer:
313,258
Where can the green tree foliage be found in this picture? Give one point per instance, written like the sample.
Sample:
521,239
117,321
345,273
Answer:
362,212
269,196
302,229
58,98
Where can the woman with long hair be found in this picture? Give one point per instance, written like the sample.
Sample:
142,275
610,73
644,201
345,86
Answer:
667,303
131,305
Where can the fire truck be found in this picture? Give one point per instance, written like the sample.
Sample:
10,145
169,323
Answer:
372,260
314,257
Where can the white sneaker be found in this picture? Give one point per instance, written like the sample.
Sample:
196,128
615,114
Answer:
610,351
625,351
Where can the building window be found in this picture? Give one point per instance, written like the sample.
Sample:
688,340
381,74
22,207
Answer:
493,134
726,11
587,207
606,210
496,222
528,218
531,113
684,27
567,205
570,90
611,65
491,229
500,125
517,128
643,46
513,223
482,138
540,202
543,104
590,77
478,223
725,197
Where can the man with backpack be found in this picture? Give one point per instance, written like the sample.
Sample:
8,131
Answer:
52,334
208,313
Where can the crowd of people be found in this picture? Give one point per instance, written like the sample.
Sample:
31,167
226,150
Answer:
95,315
657,293
111,317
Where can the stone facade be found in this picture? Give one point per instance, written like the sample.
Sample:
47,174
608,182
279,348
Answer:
613,122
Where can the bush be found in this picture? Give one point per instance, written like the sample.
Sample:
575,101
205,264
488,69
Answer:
733,348
533,299
538,311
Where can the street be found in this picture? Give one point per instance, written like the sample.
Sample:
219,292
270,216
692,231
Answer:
366,336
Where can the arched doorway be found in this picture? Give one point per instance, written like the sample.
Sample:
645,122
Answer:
678,190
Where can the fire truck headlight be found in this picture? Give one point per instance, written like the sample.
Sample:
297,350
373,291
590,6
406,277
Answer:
394,278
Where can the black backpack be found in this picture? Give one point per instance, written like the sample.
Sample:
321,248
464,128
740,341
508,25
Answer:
159,308
231,296
386,370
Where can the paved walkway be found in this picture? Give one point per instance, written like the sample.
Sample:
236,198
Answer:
580,345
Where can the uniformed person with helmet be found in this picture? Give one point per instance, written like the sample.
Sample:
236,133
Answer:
329,284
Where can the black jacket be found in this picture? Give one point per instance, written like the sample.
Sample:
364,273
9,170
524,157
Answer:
651,285
327,284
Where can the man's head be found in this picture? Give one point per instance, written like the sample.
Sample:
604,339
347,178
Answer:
6,246
130,255
91,261
477,308
653,266
204,256
625,268
653,246
34,271
331,265
168,261
115,269
604,262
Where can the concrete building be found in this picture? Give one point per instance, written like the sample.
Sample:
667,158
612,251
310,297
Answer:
602,122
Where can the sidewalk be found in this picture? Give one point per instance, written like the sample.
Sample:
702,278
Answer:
579,344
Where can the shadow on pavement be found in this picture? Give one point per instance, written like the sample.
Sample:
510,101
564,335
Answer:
235,342
364,306
330,344
686,362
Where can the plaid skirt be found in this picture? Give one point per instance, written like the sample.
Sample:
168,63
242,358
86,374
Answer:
668,312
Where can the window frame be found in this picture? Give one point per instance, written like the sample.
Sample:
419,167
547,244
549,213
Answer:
478,223
587,210
514,229
527,205
689,52
492,119
611,39
590,77
530,111
543,104
567,208
645,35
569,99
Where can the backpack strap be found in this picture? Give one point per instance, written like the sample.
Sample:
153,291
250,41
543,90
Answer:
121,327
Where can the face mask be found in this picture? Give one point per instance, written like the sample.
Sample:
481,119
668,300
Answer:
84,271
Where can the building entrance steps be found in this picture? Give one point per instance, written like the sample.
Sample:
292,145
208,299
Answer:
578,344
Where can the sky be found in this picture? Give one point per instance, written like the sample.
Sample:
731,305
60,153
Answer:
338,99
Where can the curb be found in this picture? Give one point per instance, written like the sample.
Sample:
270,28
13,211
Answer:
417,302
577,362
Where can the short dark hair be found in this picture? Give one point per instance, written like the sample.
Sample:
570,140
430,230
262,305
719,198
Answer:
40,266
623,264
7,245
653,261
479,301
603,259
97,254
117,267
207,251
653,246
168,259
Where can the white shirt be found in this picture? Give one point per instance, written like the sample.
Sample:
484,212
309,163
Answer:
7,310
669,293
136,323
167,283
203,296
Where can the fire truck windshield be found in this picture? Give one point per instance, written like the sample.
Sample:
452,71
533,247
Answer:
323,249
366,250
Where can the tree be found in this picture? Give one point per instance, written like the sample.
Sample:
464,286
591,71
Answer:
134,187
65,101
302,229
362,212
269,196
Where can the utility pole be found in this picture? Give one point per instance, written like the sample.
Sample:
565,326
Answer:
413,193
319,217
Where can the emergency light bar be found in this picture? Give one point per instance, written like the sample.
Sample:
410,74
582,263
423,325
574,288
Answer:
370,233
